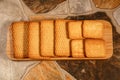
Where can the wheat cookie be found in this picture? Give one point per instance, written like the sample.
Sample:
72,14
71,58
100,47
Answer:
75,29
77,48
47,38
34,40
93,29
20,42
94,48
62,43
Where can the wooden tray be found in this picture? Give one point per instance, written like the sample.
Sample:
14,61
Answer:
108,44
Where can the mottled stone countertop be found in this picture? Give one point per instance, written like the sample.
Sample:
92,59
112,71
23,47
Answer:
17,10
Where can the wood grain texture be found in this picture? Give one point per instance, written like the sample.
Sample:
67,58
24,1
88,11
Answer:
47,70
107,36
106,4
42,6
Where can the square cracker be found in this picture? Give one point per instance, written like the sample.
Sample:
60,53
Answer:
75,29
94,48
77,48
93,29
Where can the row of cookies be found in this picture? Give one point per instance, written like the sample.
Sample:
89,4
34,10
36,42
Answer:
86,29
58,38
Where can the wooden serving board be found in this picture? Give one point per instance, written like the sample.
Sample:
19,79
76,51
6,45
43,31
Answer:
107,37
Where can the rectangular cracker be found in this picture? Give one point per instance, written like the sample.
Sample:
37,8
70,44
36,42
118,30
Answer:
47,38
77,48
94,48
75,29
62,43
93,29
34,40
20,42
